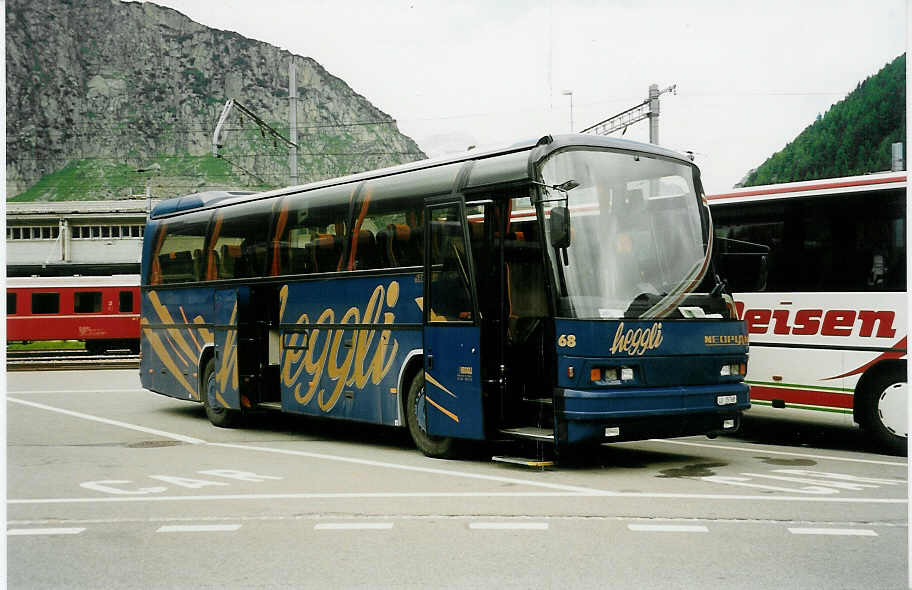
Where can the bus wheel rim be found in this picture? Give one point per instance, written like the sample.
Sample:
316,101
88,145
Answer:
891,408
421,411
211,393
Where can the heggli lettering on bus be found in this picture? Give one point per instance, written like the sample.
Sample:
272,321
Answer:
637,341
323,348
458,298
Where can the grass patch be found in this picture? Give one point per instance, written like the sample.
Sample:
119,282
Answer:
47,345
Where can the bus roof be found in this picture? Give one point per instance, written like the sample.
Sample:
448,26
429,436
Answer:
807,188
548,144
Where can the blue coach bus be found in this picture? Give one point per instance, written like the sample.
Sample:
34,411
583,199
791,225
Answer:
559,290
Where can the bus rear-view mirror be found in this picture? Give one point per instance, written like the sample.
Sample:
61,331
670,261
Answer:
560,227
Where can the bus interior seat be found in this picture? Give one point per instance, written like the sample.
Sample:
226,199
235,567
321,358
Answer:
366,252
384,243
297,260
232,263
325,251
177,266
404,245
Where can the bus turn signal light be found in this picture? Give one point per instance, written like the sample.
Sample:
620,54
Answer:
733,370
603,375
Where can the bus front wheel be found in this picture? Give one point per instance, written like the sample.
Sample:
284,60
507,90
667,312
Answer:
440,447
886,418
218,414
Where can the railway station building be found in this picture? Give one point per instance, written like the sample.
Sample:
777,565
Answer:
75,237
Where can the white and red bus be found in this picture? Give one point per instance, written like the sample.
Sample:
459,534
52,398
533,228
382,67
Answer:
827,318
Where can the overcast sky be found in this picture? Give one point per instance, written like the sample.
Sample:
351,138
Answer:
750,76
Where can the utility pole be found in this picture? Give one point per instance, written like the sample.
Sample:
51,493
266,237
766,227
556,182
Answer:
293,121
570,94
648,109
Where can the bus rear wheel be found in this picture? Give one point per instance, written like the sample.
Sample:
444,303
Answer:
886,418
440,447
219,415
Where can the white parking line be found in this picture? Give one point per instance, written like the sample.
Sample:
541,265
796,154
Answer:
509,526
668,528
837,532
198,528
353,526
416,468
68,391
428,495
162,433
66,531
557,490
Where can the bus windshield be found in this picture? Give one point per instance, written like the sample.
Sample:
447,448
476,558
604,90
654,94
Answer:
638,234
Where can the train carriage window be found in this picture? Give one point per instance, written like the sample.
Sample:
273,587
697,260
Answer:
11,303
87,302
45,303
126,302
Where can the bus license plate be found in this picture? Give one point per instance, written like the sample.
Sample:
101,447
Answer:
726,400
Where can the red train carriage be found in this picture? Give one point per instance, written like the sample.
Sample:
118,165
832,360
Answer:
101,311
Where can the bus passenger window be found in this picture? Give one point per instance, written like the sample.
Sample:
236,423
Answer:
172,257
310,232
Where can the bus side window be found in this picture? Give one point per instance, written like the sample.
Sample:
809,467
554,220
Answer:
310,232
173,255
450,294
239,236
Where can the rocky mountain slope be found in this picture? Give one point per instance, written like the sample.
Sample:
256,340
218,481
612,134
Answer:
106,97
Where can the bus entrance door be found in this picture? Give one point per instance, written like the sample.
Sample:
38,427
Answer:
230,306
452,404
241,340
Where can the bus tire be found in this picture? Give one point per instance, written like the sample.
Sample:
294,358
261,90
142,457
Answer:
439,447
219,416
885,416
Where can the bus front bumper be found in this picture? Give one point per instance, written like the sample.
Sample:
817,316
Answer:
635,414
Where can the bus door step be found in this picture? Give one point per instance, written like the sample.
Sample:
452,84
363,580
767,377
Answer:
530,433
270,405
524,461
545,401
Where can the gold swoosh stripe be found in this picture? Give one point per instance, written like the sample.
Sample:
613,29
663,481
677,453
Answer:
448,413
436,383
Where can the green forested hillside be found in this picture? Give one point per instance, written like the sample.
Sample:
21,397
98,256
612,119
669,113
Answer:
853,137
